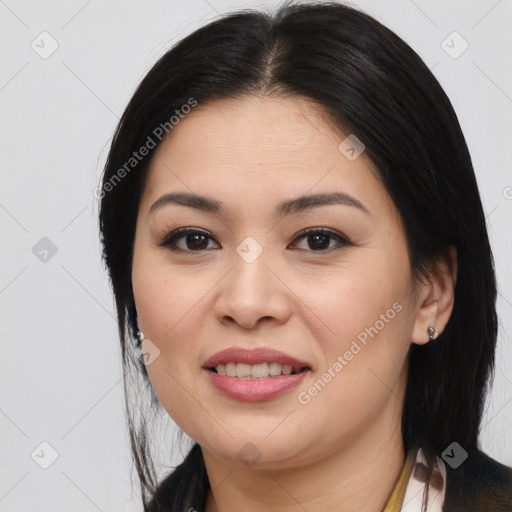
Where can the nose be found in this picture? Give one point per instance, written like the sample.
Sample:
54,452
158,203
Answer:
252,293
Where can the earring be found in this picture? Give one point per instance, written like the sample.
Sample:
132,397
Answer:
140,336
432,333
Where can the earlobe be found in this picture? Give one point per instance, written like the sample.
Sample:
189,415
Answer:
436,298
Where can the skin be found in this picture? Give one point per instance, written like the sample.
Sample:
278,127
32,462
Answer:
343,449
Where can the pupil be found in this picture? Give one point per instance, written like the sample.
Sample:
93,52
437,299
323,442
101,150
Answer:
320,246
196,244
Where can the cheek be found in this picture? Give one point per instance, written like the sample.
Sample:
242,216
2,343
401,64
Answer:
164,295
354,299
365,345
170,315
364,349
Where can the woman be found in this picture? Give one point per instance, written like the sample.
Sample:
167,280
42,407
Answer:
296,243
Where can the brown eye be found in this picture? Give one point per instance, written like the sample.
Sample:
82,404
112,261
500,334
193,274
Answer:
319,239
193,240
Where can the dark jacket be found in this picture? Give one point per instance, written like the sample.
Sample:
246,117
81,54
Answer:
480,484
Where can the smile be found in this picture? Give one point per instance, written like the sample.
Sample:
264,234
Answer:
255,371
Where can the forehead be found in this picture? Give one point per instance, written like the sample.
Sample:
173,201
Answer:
268,147
252,125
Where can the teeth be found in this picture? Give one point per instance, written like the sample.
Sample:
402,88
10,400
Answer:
275,369
243,370
259,370
255,371
231,369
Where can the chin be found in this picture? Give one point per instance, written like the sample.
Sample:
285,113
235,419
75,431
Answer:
255,450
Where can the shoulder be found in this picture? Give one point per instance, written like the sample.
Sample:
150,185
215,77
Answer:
479,484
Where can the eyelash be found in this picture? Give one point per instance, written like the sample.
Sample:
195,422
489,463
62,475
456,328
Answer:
170,239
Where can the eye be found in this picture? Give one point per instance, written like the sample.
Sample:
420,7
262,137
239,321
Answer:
194,240
318,239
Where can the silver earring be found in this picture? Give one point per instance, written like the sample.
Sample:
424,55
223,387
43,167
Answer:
140,335
432,333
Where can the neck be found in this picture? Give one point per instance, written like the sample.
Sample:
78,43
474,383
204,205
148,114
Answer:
358,476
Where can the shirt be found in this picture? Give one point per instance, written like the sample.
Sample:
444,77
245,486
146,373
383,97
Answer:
407,495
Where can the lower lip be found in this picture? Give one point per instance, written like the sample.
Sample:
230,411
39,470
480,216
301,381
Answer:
255,390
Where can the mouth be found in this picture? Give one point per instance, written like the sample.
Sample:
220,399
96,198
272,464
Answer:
264,370
255,374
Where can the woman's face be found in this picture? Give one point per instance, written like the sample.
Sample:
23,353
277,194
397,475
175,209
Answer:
343,303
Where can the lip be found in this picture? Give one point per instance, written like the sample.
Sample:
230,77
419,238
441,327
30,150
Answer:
253,356
255,390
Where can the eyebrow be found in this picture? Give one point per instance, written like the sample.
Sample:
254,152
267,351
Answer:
291,206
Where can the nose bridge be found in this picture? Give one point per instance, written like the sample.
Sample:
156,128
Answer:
250,274
251,290
249,250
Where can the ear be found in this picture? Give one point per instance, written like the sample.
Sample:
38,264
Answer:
436,296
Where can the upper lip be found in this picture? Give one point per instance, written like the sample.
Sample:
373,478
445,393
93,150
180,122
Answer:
253,356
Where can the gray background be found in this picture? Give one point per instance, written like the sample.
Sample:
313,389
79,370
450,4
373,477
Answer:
60,368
